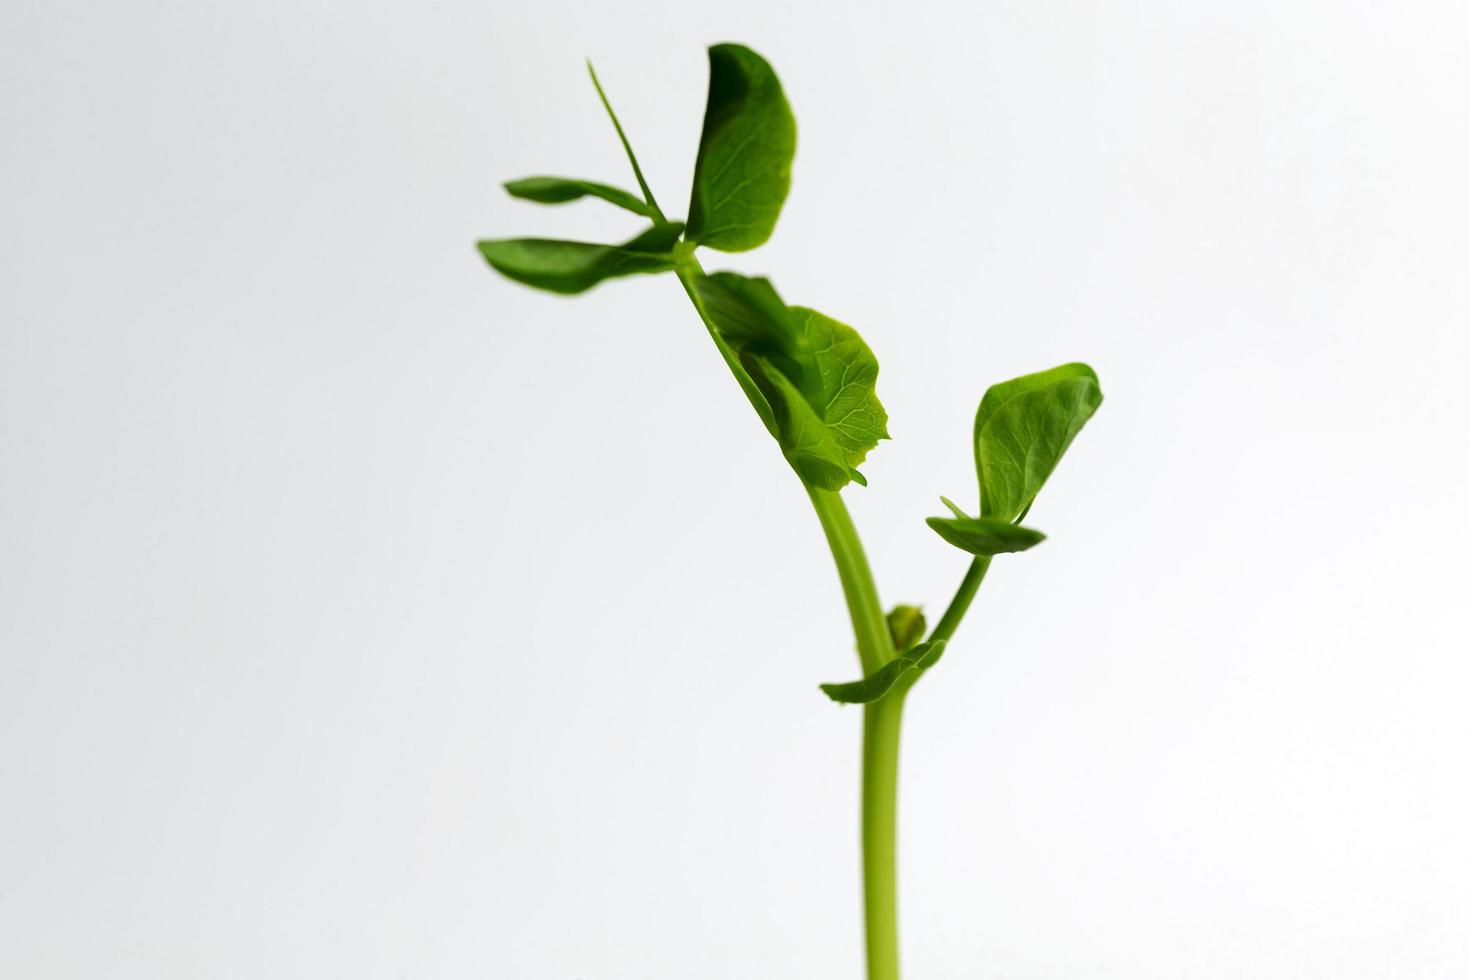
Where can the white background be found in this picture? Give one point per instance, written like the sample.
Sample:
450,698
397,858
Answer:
364,615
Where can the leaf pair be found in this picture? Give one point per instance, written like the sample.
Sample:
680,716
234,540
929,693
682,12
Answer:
810,377
567,267
741,178
1022,429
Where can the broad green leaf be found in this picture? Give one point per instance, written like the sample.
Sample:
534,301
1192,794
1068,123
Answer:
558,190
743,169
815,374
1021,431
984,535
877,684
574,267
906,626
845,390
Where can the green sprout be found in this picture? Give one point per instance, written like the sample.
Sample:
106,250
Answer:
812,381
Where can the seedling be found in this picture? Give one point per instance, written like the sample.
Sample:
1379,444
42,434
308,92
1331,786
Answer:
811,381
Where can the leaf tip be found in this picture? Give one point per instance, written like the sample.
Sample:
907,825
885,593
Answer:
953,508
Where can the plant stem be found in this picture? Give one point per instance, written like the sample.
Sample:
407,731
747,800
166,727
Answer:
874,642
882,725
963,596
882,721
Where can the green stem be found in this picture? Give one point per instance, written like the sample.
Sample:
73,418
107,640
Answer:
963,596
882,721
874,642
882,724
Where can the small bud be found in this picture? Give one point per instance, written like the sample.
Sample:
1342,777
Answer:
906,625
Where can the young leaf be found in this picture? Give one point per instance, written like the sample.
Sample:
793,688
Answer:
877,684
575,267
844,389
906,626
816,374
743,169
985,536
558,190
1021,431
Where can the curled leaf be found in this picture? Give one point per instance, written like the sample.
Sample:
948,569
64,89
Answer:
816,375
574,267
877,684
743,171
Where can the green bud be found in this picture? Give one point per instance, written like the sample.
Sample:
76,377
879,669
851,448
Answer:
906,625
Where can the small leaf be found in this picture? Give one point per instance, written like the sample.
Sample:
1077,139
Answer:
906,626
815,374
575,267
876,685
985,536
558,190
1022,429
743,169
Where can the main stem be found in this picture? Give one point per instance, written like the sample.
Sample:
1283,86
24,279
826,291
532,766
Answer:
882,721
882,725
874,642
